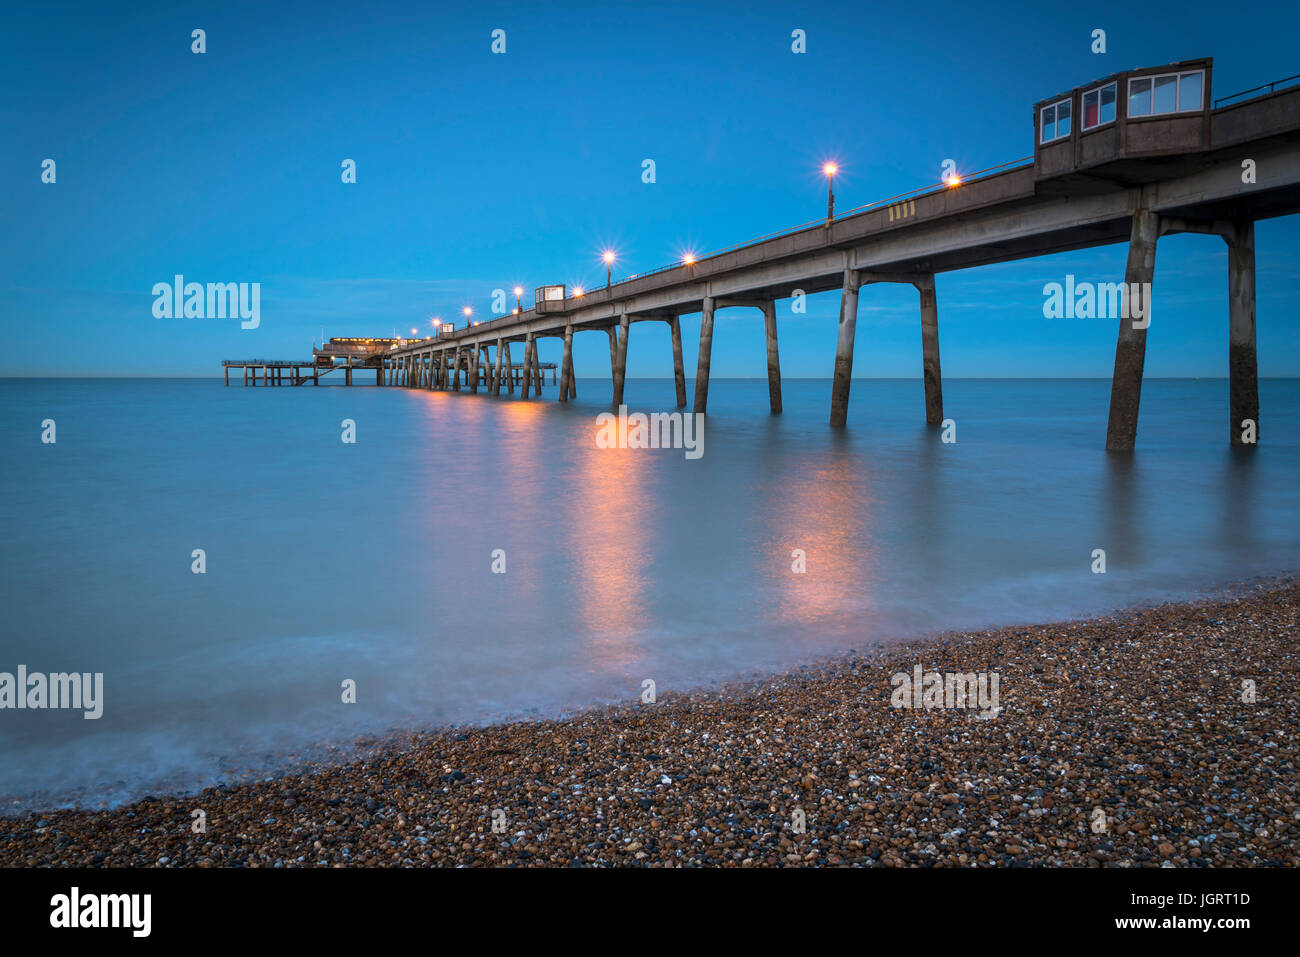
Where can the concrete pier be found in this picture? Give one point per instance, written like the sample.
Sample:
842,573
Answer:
1243,368
566,367
679,370
773,358
1131,347
526,382
620,359
706,356
930,370
844,347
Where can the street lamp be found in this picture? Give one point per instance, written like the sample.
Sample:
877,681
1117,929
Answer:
830,169
608,256
519,305
688,259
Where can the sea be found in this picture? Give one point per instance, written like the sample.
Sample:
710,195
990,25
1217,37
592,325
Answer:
257,592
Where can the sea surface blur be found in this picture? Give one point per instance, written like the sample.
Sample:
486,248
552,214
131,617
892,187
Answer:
373,561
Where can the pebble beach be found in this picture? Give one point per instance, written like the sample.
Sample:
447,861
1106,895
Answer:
1162,736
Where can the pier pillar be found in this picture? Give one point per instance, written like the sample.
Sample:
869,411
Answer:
706,354
525,383
1131,346
679,369
496,374
773,358
509,369
348,373
620,366
473,370
566,364
455,370
227,371
930,370
844,347
612,332
1243,369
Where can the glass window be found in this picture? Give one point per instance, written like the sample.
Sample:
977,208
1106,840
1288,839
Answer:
1099,106
1139,97
1165,98
1049,123
1108,103
1189,91
1063,118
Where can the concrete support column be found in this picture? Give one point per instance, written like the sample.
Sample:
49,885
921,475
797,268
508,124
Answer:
620,366
455,374
473,370
1131,347
773,358
527,380
930,370
679,369
844,347
496,374
1243,369
566,364
510,369
706,354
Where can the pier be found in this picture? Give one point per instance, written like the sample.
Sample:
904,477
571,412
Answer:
1131,157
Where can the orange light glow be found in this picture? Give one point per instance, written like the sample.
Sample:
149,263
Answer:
953,180
467,310
519,290
689,259
608,256
577,292
830,169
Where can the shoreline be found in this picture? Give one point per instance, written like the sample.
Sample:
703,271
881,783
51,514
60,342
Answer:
1122,740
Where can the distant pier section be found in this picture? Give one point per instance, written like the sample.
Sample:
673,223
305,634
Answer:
352,354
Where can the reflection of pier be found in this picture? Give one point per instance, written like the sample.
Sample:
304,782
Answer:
1133,157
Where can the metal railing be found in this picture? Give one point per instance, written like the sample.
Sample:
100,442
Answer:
1270,87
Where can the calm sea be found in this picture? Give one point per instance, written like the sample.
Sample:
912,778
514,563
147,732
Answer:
373,561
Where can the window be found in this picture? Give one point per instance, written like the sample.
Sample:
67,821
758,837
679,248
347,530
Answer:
1167,93
1056,121
1099,107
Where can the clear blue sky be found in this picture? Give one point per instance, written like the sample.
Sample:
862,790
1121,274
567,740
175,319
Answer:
477,171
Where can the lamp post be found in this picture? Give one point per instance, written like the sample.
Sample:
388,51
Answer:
608,256
519,305
830,169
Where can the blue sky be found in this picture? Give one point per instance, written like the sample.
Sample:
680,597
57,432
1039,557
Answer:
477,171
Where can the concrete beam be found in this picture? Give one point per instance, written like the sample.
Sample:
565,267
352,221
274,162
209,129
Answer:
1243,369
706,356
844,348
773,358
1131,347
679,372
930,370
